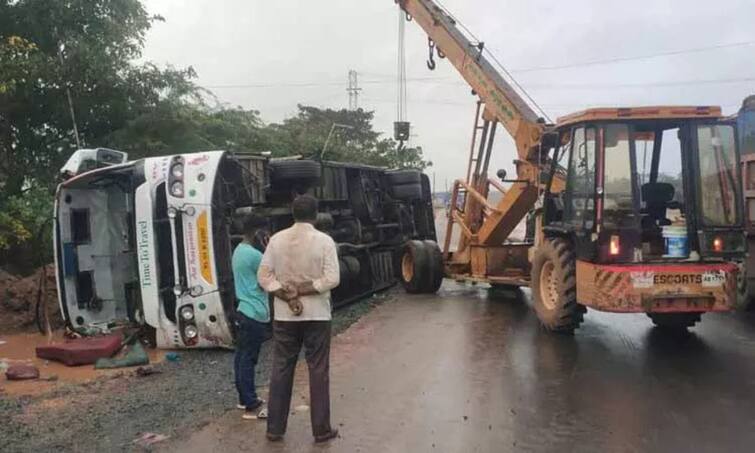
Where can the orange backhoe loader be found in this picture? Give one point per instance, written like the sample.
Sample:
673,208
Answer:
629,210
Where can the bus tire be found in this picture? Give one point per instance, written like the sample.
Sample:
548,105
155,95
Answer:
554,287
414,267
398,177
296,171
436,267
407,192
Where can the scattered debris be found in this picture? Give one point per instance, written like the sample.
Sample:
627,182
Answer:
173,357
22,372
81,351
134,356
144,371
2,342
301,408
50,378
148,439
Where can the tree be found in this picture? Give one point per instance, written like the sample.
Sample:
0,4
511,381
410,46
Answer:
48,50
188,127
354,140
60,59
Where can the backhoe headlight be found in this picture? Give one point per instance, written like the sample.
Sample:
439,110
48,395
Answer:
177,189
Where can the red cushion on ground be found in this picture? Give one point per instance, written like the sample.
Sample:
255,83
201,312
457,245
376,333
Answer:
81,351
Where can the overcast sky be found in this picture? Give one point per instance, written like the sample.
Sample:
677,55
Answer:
280,45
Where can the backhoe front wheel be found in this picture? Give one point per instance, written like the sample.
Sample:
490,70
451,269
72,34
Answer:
554,287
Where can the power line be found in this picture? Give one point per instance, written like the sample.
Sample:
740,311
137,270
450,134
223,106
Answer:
500,65
448,81
634,58
567,86
275,85
588,86
555,106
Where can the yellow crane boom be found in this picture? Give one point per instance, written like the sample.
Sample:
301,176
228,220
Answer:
481,224
502,102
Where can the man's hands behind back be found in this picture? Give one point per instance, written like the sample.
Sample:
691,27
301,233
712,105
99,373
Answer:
290,294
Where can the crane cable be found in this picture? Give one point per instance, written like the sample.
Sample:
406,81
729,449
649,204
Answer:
493,57
401,110
401,92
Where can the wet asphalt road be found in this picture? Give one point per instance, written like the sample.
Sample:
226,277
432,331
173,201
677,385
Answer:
464,371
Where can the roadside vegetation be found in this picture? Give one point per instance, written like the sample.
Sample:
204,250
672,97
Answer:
82,57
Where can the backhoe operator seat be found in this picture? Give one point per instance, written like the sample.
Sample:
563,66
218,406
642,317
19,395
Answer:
658,196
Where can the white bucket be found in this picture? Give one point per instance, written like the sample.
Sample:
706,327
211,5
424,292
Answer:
676,241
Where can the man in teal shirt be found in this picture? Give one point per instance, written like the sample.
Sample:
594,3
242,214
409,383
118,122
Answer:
253,313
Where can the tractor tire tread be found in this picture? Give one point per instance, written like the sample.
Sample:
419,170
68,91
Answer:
435,277
568,313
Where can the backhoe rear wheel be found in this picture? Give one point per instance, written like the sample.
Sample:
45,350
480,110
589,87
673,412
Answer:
675,321
554,287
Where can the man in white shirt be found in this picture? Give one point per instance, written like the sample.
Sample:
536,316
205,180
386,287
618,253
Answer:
300,267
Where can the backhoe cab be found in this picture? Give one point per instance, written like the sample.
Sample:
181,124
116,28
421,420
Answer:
649,218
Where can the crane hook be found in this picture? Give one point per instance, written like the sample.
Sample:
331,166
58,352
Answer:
431,51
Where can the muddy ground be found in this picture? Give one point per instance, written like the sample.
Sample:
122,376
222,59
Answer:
107,414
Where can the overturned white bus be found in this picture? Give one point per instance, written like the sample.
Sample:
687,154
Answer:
149,242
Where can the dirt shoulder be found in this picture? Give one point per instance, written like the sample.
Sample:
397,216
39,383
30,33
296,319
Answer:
108,413
18,300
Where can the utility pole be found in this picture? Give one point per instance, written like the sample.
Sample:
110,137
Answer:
353,90
70,98
330,134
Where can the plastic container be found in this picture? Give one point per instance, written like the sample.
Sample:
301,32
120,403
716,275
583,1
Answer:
676,241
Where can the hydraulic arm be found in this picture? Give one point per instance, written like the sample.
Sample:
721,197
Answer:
482,224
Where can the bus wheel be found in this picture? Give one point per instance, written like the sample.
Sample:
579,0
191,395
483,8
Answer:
435,266
554,287
675,321
414,267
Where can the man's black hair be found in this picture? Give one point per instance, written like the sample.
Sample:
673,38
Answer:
252,222
304,208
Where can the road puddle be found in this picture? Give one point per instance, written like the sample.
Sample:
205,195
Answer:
20,349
